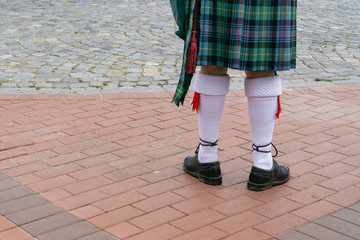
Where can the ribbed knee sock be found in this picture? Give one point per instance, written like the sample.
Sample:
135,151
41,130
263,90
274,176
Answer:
262,111
209,116
263,106
212,90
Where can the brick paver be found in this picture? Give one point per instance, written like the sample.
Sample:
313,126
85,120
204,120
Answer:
125,181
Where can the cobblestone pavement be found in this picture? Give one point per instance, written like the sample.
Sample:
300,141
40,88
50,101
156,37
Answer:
68,46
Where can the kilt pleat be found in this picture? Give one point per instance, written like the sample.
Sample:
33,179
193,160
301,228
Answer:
248,34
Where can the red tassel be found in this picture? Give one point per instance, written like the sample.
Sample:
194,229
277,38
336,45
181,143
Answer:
195,102
192,55
279,108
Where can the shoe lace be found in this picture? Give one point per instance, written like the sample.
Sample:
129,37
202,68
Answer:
257,148
205,144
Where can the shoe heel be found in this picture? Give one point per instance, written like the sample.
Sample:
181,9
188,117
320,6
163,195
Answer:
211,181
258,187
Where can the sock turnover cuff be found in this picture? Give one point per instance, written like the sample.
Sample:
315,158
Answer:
263,87
211,84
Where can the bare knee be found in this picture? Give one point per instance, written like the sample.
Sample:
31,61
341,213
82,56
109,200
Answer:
213,70
257,74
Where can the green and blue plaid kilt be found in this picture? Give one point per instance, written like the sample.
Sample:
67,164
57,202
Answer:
243,34
248,34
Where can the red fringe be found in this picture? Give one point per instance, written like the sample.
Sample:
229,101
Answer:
195,102
192,55
279,108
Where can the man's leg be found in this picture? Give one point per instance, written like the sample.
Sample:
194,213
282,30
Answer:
212,84
262,89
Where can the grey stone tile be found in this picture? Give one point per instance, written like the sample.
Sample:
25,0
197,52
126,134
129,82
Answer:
14,193
2,176
356,207
349,215
21,203
32,214
99,235
6,184
322,233
340,226
50,223
295,235
70,232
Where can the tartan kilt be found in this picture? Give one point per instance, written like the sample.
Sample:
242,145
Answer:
248,34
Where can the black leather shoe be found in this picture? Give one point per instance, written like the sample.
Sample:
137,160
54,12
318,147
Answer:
260,180
208,173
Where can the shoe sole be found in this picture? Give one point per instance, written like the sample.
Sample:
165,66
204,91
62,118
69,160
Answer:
262,187
204,179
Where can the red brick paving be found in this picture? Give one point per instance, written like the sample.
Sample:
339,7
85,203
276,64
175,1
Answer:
115,160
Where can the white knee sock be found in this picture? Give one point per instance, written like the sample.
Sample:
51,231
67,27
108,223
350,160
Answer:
212,90
263,106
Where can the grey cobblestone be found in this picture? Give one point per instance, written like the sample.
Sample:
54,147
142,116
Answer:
69,46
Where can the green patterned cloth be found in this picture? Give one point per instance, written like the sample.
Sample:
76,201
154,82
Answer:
248,35
242,34
180,9
185,78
